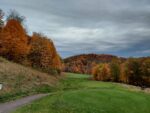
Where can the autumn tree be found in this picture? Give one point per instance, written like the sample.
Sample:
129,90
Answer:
13,41
145,72
124,76
145,68
43,53
115,69
134,71
101,72
13,14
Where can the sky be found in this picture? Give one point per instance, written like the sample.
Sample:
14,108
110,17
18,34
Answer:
118,27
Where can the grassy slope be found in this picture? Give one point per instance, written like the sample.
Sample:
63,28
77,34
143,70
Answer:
22,81
77,94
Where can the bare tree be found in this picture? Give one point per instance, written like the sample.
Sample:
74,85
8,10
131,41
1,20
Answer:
13,14
1,17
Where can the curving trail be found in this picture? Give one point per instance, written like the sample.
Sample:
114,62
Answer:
11,106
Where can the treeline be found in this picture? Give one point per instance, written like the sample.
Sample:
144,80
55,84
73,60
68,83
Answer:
85,62
16,45
135,71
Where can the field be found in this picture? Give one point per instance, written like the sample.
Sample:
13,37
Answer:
76,93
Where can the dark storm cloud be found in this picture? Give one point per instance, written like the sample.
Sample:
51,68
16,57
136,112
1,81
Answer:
120,27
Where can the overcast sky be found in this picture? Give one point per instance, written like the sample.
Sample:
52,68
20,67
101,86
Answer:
119,27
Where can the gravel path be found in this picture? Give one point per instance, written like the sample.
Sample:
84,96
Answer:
11,106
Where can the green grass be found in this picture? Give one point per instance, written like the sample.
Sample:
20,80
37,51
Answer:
78,94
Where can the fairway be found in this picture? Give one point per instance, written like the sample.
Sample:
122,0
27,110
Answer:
76,93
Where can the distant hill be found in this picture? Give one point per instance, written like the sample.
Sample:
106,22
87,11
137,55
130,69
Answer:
83,63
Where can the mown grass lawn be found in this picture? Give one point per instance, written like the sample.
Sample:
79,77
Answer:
76,93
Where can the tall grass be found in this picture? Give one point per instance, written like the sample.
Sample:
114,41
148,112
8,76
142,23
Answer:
20,81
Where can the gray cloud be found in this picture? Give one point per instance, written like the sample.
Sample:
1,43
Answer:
120,27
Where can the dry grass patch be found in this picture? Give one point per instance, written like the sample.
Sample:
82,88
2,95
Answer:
135,88
19,79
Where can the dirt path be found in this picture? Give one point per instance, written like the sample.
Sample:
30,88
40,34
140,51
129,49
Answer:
11,106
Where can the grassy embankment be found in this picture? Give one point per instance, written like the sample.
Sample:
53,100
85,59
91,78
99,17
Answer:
77,94
19,81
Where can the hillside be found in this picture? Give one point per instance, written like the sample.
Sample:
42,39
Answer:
20,81
85,62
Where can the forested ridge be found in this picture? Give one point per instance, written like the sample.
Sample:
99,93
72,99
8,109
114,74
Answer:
85,62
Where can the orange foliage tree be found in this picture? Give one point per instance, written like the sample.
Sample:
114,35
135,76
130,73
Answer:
43,53
13,41
101,72
124,77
